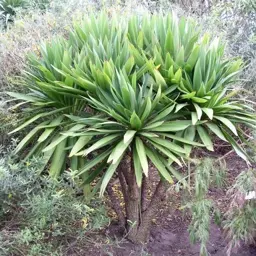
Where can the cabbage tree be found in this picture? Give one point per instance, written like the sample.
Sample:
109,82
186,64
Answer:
139,94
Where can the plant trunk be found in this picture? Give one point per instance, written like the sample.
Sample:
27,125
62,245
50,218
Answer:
140,233
139,215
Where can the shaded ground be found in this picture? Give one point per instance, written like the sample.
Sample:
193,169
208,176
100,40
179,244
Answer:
169,235
168,242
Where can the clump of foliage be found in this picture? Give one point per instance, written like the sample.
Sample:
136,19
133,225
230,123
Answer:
241,217
124,95
40,216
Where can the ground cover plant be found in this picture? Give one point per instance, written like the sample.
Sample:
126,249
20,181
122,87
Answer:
40,216
128,95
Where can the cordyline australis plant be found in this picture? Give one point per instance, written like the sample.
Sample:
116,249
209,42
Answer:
125,95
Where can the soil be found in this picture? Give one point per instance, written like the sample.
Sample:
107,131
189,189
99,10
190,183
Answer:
169,235
166,241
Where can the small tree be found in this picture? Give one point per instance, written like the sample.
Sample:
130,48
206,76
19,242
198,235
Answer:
153,91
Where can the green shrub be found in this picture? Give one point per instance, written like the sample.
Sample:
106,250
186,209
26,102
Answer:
46,212
125,94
